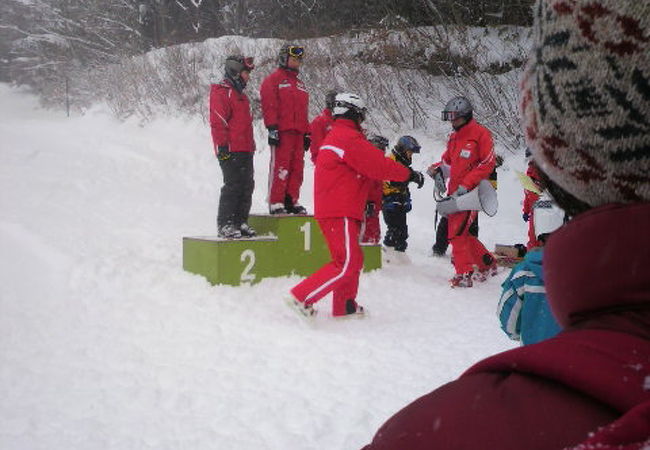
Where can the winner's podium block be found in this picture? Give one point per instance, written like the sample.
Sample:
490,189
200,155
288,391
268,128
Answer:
286,245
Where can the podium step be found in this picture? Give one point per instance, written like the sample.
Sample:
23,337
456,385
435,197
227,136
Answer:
285,245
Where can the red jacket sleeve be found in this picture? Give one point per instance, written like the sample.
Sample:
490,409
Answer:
366,160
486,163
269,100
220,113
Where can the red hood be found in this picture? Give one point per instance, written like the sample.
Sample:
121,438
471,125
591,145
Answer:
600,262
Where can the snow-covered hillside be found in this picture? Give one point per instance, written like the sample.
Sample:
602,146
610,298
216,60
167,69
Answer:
106,343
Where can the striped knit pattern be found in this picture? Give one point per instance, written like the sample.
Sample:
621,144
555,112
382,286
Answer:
586,97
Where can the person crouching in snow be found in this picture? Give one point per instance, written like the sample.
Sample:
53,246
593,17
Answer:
397,197
372,229
470,158
523,310
347,163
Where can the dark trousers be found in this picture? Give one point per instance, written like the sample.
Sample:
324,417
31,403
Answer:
442,241
398,231
237,190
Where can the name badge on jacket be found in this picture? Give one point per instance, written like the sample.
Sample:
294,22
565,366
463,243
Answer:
465,153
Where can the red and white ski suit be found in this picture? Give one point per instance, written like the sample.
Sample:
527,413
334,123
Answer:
470,156
346,165
529,200
285,104
319,128
230,118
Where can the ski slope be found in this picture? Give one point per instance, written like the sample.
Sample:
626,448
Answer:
106,343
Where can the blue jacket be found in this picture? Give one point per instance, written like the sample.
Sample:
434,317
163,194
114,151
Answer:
523,309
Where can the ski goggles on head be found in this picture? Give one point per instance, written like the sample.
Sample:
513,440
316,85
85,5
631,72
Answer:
297,51
450,115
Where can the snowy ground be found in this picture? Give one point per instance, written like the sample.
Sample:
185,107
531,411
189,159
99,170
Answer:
106,343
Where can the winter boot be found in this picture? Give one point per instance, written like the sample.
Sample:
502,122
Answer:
304,310
229,231
352,311
298,209
247,231
277,208
463,280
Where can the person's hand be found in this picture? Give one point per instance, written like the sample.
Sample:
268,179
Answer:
417,178
462,190
306,141
433,169
526,217
223,153
274,136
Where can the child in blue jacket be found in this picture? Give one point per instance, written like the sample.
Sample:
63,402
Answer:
523,309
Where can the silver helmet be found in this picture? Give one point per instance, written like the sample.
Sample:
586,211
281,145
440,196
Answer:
457,107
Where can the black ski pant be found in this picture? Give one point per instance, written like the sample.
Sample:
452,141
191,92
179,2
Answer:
237,190
398,231
442,241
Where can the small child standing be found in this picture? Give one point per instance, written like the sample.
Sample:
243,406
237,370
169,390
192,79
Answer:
371,228
397,197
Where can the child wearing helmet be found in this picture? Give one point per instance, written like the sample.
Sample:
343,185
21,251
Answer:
397,197
285,107
372,228
232,136
523,309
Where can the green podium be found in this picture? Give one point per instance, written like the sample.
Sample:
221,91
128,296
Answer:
285,245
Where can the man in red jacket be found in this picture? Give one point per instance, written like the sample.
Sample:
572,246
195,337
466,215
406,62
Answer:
232,135
589,386
285,106
470,158
346,165
321,125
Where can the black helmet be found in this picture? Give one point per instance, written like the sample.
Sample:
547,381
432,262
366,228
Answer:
403,144
457,107
379,141
295,50
236,64
407,143
330,98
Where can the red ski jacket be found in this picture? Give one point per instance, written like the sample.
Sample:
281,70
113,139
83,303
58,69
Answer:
346,165
285,101
319,128
470,154
557,393
230,118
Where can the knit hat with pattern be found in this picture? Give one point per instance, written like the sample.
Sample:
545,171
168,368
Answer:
586,97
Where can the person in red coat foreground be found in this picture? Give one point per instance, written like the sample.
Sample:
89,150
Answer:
530,198
321,125
285,106
232,135
586,108
470,158
346,165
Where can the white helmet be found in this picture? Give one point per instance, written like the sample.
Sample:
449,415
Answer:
345,103
548,215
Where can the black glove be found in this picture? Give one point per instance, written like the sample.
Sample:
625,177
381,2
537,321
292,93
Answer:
370,209
526,217
274,136
223,153
306,141
417,178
